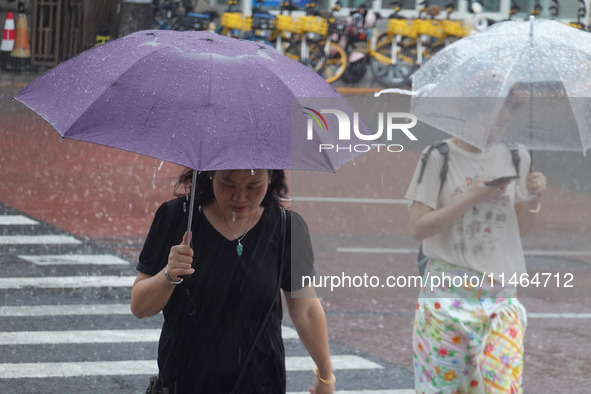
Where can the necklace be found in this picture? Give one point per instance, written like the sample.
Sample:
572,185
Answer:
239,247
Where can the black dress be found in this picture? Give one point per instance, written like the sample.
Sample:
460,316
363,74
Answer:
212,317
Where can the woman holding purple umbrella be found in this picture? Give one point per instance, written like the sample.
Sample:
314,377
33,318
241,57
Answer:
470,207
220,297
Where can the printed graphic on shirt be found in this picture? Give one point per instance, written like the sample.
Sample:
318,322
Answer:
479,227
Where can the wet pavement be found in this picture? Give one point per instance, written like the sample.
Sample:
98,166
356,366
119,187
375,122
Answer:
107,197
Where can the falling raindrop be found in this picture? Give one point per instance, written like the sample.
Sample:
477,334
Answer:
157,167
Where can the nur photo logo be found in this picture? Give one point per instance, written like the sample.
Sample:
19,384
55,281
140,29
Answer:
390,124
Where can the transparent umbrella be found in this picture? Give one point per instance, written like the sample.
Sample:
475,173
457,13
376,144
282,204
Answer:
528,79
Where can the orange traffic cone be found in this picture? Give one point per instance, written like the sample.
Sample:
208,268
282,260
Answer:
20,57
7,39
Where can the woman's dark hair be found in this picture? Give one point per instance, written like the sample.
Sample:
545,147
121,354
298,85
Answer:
204,188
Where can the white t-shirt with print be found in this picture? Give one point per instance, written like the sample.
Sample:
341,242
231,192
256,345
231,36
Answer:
485,238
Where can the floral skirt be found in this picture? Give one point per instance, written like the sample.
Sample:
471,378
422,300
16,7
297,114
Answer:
467,339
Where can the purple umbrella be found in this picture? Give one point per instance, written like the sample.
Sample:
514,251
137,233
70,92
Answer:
197,99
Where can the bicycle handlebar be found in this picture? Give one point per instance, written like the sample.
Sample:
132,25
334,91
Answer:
514,7
336,7
287,6
450,8
582,11
554,8
537,8
232,6
424,4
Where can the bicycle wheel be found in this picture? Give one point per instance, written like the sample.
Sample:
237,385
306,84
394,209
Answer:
355,71
285,41
315,58
431,50
392,75
336,62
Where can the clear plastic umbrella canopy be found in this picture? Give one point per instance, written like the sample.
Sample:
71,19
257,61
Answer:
521,82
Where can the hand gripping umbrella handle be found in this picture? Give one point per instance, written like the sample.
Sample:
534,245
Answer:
191,206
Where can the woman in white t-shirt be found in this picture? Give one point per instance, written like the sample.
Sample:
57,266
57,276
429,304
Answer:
469,325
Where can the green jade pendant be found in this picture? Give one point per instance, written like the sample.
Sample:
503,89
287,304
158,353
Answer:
239,249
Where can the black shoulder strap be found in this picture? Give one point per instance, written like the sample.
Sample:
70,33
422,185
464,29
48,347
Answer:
442,147
516,159
266,318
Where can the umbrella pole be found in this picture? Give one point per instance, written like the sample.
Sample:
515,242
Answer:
531,94
191,205
531,126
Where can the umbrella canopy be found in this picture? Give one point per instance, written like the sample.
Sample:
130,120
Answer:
527,78
197,99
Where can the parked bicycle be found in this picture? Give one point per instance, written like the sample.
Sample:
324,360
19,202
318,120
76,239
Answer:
262,24
233,22
357,43
287,28
257,27
308,46
170,14
581,14
513,9
201,21
179,15
407,45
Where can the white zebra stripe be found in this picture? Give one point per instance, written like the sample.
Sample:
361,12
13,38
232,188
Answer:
93,336
531,252
74,259
70,282
16,220
123,309
148,367
352,200
64,310
403,391
38,239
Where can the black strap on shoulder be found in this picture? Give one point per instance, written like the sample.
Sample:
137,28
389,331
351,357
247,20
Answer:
516,159
443,148
266,318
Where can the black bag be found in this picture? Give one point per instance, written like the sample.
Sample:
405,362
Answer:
155,387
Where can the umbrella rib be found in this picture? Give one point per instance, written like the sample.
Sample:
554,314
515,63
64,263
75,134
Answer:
251,100
208,119
503,87
560,76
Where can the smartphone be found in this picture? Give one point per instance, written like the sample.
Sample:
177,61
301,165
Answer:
501,180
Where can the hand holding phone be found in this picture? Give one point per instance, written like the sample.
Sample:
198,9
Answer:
501,180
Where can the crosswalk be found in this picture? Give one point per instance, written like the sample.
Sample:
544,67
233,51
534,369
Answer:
65,323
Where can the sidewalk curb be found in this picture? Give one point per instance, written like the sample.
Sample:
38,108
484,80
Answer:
351,90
